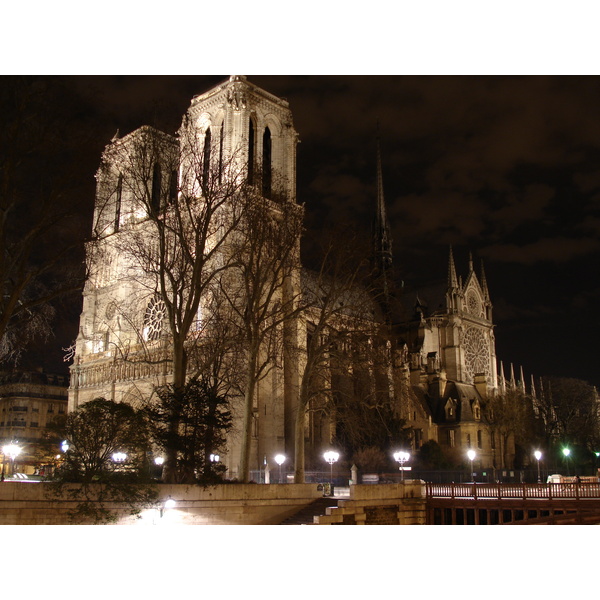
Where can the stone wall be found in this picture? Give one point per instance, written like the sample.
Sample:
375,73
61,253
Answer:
390,504
24,503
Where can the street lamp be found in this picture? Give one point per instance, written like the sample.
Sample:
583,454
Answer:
12,451
538,456
119,457
471,455
401,457
168,503
280,459
65,446
331,457
214,459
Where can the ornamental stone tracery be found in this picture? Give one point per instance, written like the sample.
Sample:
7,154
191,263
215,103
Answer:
474,305
477,352
153,319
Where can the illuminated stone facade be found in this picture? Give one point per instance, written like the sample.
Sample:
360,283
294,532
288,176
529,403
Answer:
440,366
452,358
122,350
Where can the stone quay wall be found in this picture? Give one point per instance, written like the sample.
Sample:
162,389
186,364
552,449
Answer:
24,503
382,504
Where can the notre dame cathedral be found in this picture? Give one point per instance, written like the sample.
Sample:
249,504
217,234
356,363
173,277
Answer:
444,349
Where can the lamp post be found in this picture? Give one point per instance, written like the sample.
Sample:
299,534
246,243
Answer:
214,460
566,453
538,456
331,457
401,457
280,459
471,455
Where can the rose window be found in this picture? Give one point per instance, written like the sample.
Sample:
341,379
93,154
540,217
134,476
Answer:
477,353
153,319
473,304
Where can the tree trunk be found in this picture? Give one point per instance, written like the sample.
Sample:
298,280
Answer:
244,473
179,377
299,444
299,450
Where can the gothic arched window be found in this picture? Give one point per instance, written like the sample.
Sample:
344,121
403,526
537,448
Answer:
221,132
156,185
173,186
251,152
266,164
206,156
118,203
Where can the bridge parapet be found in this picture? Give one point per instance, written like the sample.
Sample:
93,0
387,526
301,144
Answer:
525,491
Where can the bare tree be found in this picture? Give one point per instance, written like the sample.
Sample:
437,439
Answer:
263,292
173,210
508,417
569,409
337,309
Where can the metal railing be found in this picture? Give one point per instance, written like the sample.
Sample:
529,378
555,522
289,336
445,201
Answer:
523,491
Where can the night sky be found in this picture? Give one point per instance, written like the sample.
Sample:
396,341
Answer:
504,167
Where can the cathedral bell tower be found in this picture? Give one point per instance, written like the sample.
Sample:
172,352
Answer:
245,127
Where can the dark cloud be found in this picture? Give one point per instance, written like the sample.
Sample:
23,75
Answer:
505,167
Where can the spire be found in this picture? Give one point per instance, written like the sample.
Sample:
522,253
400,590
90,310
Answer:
502,378
382,244
484,286
383,240
452,279
513,383
533,388
454,285
470,261
522,382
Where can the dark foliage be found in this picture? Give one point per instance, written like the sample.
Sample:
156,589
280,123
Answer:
192,421
89,476
361,424
94,432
